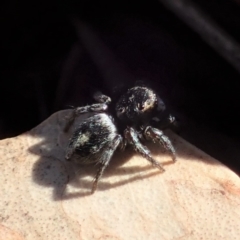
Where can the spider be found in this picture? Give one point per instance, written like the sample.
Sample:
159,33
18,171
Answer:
97,138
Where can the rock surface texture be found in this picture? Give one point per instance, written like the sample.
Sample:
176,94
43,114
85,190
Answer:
44,197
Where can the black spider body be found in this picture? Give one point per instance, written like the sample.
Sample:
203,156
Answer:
138,105
92,137
96,139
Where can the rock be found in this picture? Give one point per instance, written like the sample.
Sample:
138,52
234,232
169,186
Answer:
45,197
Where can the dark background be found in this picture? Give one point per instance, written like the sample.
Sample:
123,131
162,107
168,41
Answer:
54,54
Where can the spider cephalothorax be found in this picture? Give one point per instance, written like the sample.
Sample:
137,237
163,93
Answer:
97,138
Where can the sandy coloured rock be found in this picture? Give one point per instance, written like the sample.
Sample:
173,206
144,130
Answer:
44,197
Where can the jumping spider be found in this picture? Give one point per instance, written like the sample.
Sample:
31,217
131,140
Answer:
96,139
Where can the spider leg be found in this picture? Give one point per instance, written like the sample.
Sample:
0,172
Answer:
132,137
122,145
97,107
71,147
170,120
69,152
105,159
101,98
157,135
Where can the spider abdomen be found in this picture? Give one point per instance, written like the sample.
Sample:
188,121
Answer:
91,137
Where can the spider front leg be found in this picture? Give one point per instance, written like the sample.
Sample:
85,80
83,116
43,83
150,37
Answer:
97,107
132,138
157,135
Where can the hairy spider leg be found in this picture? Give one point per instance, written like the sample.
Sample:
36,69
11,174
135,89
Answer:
108,152
157,135
132,137
96,107
101,98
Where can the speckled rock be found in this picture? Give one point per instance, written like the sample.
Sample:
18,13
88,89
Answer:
43,197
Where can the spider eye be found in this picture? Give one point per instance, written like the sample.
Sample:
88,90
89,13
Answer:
121,110
148,102
147,105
